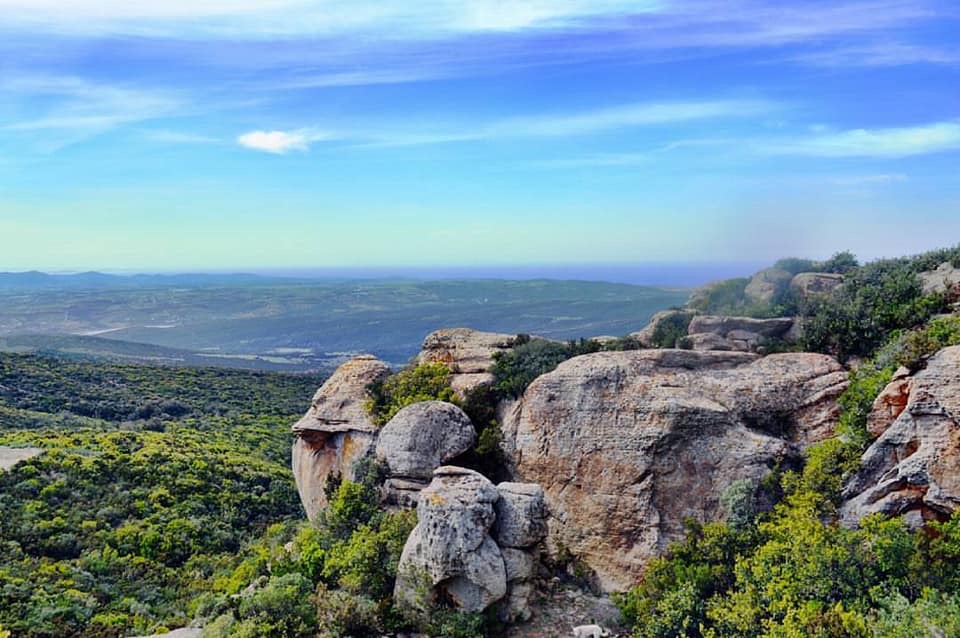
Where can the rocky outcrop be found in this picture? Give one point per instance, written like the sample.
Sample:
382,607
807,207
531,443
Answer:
520,527
416,441
740,334
10,456
911,469
456,553
450,555
468,353
810,284
661,323
943,278
336,431
766,284
628,444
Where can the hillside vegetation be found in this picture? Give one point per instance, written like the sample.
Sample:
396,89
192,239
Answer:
153,482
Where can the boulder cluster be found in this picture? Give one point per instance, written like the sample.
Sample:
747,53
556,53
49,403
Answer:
611,452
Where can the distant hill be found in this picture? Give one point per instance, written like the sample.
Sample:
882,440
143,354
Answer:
297,324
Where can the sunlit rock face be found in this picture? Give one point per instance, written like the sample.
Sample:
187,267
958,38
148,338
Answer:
911,469
468,353
336,431
626,445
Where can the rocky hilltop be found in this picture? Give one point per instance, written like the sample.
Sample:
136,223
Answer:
612,447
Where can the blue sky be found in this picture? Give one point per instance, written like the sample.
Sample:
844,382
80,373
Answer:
249,134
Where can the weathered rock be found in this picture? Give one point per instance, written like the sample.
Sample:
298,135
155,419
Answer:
771,328
628,444
912,468
450,554
740,334
422,437
521,515
766,284
520,564
890,403
336,431
658,322
809,284
942,279
468,353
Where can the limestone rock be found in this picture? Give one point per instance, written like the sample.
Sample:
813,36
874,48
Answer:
521,515
628,444
336,431
943,278
890,403
468,353
912,468
765,285
423,436
10,456
450,554
659,319
808,284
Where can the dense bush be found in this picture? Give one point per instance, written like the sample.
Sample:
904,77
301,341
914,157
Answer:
670,331
516,369
423,382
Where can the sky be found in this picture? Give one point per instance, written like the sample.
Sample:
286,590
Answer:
291,134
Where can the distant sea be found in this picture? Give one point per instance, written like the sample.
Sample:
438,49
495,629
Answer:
688,274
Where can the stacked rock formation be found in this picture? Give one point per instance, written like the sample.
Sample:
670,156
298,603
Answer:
911,469
336,431
742,334
457,555
468,353
628,444
417,440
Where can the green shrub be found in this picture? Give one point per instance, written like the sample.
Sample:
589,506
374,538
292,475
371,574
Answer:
671,330
516,369
424,382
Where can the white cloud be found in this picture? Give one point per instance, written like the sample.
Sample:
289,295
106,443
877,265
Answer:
276,142
938,137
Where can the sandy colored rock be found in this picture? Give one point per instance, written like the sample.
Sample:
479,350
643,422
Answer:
467,352
422,437
739,334
336,431
628,444
890,403
10,456
912,468
450,554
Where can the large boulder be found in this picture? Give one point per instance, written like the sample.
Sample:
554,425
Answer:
336,431
811,284
627,445
767,284
450,555
468,353
422,437
911,469
943,278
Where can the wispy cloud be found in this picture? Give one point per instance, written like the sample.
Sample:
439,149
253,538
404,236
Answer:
937,137
559,125
56,111
882,54
180,137
267,18
864,180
